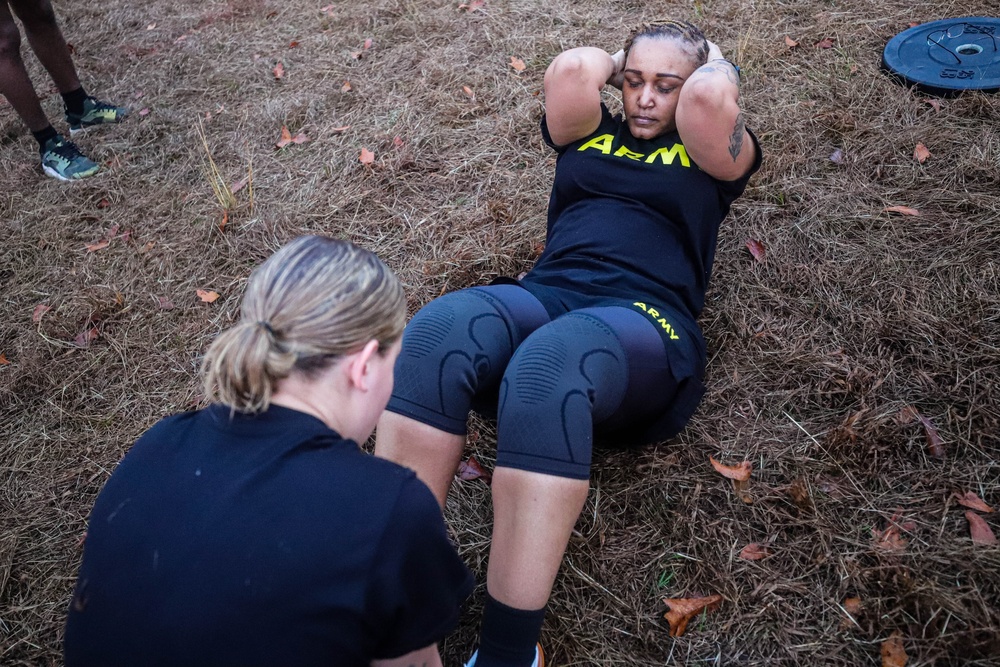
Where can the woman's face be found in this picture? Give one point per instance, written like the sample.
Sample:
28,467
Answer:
656,69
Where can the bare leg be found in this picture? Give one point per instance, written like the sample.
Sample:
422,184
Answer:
47,42
432,453
534,515
14,82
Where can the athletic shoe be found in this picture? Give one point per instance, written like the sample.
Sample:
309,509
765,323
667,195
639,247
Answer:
95,112
539,658
63,160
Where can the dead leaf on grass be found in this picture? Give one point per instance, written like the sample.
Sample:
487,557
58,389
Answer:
825,43
341,129
472,6
935,104
240,184
208,296
368,44
972,501
472,469
852,607
279,70
164,303
920,153
144,111
754,551
367,157
979,530
902,210
346,88
682,610
799,491
790,43
756,249
293,44
224,220
739,472
39,312
397,141
468,92
517,64
893,654
86,337
287,138
3,359
891,539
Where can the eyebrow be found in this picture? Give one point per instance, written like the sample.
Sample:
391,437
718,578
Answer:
659,75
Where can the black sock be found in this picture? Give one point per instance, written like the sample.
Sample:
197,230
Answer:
508,635
74,100
43,136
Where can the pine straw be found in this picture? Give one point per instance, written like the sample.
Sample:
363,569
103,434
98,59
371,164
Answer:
855,314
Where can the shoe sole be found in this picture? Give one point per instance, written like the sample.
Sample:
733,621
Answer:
49,171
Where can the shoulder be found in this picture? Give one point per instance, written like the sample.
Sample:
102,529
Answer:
608,123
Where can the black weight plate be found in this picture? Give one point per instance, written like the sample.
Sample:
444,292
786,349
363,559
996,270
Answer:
946,57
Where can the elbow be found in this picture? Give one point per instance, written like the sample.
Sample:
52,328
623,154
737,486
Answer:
567,66
705,96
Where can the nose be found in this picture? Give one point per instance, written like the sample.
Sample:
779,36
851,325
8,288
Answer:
646,97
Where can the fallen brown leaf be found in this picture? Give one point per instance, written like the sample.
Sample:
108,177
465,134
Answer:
164,303
825,43
739,472
293,44
799,491
979,530
472,6
367,157
86,337
98,245
286,138
935,104
468,92
240,184
754,551
920,153
972,501
893,654
39,312
208,296
368,44
3,359
756,249
397,141
517,64
790,43
472,469
683,610
852,606
346,88
279,70
902,210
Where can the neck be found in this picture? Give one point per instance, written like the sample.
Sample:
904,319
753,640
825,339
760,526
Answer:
312,397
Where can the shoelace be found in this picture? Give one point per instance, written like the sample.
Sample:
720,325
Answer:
67,149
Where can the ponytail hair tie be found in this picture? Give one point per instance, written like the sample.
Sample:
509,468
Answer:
267,327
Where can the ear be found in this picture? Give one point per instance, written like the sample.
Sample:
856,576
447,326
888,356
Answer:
359,368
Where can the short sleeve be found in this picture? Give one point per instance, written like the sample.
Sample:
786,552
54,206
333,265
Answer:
547,138
418,582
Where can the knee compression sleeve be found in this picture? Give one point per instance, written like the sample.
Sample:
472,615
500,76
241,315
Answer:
563,379
457,348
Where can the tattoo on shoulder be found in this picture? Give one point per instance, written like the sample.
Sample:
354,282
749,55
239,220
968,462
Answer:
736,140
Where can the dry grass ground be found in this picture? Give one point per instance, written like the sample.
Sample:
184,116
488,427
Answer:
855,314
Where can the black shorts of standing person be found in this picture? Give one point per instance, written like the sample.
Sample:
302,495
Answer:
256,532
60,157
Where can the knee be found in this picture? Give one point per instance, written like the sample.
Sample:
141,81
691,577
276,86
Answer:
36,15
10,41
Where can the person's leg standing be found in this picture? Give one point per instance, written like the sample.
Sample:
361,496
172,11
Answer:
15,84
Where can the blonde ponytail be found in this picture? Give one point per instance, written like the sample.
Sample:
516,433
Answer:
314,300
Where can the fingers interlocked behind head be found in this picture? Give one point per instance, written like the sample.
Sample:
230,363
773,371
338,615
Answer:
314,300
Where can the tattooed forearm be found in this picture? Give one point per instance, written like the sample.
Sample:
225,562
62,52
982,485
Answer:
736,140
724,66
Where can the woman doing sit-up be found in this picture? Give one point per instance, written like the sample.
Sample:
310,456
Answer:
600,337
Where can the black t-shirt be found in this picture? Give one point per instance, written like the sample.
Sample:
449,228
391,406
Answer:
239,540
632,220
